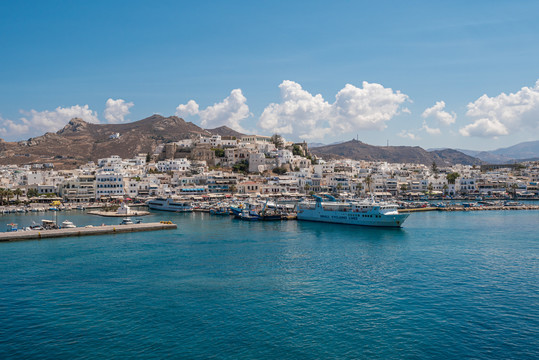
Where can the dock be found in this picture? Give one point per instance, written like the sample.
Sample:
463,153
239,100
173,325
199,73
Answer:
115,214
84,231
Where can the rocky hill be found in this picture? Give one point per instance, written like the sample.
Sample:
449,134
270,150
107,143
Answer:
358,150
225,131
79,141
525,151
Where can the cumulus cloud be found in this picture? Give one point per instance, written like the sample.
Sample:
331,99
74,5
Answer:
230,112
429,130
35,122
299,113
310,117
56,119
504,114
116,110
10,127
409,135
437,112
189,109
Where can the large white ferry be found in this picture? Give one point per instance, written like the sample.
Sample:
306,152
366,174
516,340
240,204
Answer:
366,212
169,205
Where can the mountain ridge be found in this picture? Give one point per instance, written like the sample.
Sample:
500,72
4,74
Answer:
358,150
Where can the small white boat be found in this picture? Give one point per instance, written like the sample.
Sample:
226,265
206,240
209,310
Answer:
126,221
66,224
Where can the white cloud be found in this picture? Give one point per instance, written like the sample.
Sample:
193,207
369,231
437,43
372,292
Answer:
116,110
189,109
504,114
409,135
368,108
300,113
58,118
10,127
429,130
230,112
308,116
35,122
485,128
437,112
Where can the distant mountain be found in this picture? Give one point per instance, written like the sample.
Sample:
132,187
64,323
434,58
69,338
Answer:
525,151
358,150
79,141
225,131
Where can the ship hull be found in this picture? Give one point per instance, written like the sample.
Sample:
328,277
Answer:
353,218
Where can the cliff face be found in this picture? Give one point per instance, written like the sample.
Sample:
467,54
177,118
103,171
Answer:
79,141
358,150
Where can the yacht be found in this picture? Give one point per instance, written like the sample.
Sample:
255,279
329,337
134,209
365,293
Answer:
126,221
169,205
66,224
365,212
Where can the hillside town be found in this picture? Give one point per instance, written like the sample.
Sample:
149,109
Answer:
257,165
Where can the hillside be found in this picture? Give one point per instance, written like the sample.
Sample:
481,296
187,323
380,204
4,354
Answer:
79,141
225,131
358,150
528,150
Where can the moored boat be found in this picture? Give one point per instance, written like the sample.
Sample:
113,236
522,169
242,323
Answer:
366,212
66,224
169,204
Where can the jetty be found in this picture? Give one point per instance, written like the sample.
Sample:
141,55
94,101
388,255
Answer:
471,208
85,231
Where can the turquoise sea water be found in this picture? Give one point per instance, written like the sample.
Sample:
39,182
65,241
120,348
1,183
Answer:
449,285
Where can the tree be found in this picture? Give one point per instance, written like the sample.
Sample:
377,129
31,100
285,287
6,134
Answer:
2,194
430,188
148,158
277,140
219,153
17,192
368,182
279,170
452,177
32,193
241,166
232,188
359,188
445,188
9,194
297,150
434,168
404,187
306,187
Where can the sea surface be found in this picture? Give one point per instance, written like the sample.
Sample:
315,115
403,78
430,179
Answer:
448,285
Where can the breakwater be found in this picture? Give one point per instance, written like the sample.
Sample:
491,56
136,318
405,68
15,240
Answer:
470,208
84,231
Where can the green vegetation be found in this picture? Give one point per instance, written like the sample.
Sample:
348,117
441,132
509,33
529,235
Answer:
241,166
280,170
277,140
32,193
297,150
219,153
452,177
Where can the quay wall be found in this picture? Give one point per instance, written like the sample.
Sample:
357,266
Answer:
83,231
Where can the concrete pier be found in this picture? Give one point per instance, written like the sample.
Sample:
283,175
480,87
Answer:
83,231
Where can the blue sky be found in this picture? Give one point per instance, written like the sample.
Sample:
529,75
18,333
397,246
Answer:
433,74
